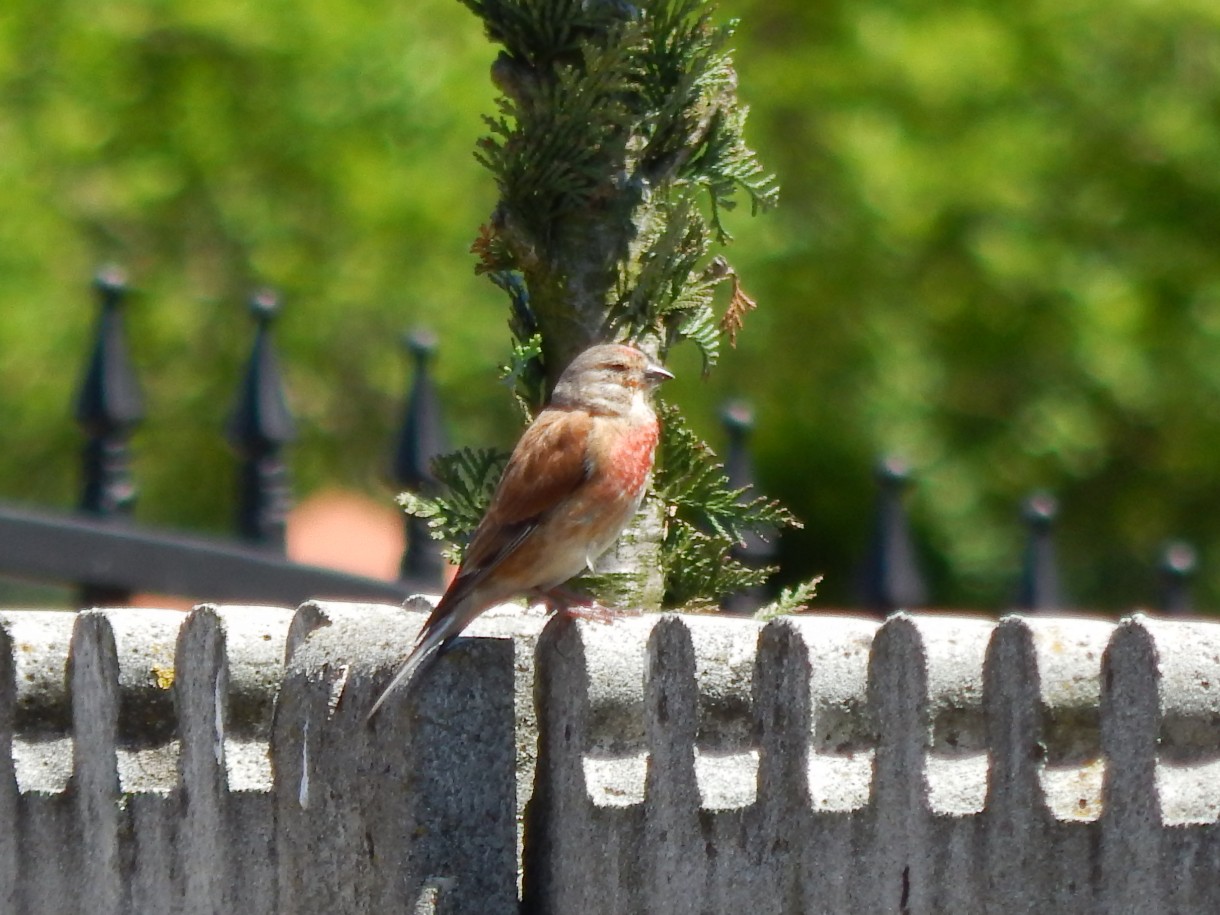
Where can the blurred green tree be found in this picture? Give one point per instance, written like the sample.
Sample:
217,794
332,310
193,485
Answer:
996,256
211,147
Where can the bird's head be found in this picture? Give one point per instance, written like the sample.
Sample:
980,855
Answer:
608,378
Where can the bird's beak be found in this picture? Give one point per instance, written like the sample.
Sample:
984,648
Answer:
654,374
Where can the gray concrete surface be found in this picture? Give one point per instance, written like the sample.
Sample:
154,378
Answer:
931,764
218,762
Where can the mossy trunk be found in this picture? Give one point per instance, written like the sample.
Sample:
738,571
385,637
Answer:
629,575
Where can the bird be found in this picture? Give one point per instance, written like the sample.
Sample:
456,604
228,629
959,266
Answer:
572,483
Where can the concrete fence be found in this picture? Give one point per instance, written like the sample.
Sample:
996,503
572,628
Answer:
218,762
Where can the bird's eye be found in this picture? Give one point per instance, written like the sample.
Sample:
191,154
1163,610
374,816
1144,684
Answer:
618,366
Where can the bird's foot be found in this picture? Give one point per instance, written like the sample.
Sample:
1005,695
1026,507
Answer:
592,612
581,606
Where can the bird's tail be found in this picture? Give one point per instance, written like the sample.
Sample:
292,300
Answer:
441,628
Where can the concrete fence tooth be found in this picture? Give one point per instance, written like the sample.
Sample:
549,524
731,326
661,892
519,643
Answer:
897,829
584,825
782,712
1043,679
228,670
925,689
1015,844
1162,708
367,815
1131,816
561,694
201,685
673,852
94,684
781,825
818,747
43,832
147,754
9,804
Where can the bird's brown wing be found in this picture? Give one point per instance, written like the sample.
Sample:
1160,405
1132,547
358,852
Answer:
548,464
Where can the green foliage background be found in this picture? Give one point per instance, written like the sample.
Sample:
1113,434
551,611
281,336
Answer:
997,254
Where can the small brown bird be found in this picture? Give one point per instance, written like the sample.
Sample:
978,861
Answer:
571,485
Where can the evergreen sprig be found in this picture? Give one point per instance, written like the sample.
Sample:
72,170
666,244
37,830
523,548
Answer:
467,477
606,100
700,568
540,32
662,291
523,373
727,164
686,75
671,293
690,480
706,518
790,600
550,143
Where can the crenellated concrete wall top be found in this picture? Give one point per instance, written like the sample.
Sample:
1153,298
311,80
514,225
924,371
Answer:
218,761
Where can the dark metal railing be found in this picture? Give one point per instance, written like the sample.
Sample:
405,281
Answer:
109,556
103,551
421,441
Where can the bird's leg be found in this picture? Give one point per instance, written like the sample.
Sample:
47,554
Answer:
580,606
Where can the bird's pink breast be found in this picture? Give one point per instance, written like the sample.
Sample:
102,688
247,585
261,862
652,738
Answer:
582,526
630,458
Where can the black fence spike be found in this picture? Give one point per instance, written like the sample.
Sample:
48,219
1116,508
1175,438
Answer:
258,428
1179,563
109,398
891,578
420,440
1039,589
109,406
421,436
758,547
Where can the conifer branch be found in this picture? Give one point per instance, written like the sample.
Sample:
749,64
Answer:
706,518
467,477
617,146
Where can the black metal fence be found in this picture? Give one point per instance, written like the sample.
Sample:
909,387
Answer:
103,551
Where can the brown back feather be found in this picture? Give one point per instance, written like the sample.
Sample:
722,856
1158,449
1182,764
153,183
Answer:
547,465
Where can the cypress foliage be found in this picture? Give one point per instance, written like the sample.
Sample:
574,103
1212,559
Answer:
617,147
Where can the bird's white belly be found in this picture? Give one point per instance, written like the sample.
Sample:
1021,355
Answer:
581,540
